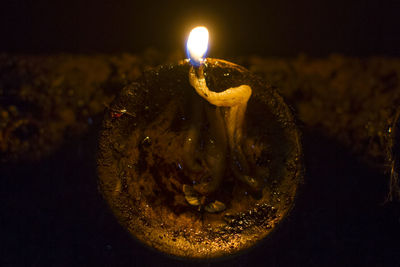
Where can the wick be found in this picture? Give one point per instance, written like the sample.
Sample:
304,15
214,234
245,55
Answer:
226,123
235,98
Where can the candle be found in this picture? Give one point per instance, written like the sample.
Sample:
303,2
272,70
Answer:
204,161
227,123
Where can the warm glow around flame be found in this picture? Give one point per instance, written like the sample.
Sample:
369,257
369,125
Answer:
197,45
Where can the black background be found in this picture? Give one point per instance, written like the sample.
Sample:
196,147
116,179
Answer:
52,213
266,28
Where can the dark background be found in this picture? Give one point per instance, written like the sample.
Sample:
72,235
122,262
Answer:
266,28
52,213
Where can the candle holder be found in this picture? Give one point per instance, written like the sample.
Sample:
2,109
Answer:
151,180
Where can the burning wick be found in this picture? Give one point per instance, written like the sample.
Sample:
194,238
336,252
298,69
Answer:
226,123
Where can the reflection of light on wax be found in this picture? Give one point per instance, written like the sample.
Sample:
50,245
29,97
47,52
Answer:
197,45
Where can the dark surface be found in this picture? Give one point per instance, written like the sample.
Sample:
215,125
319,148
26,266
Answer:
52,213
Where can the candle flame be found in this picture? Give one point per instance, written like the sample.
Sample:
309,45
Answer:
197,45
